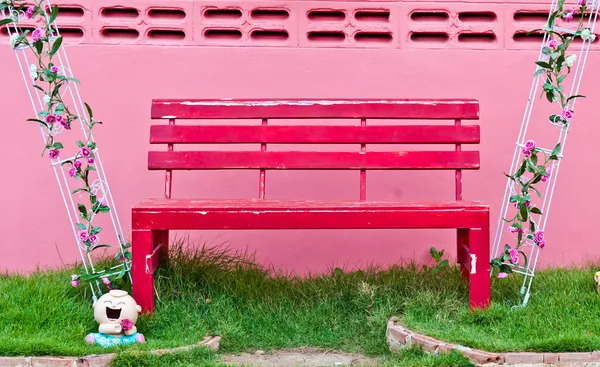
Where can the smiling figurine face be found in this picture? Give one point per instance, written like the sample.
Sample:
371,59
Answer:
115,306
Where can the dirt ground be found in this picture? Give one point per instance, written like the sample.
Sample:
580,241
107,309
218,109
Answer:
299,357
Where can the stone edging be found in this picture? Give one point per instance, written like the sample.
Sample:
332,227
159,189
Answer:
398,336
98,360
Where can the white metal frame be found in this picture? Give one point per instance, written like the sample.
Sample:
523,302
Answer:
100,184
547,194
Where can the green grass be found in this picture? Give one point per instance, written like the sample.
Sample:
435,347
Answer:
215,292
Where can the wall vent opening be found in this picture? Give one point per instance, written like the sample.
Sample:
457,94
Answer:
269,35
483,16
326,36
372,15
523,37
119,33
70,12
326,15
477,37
166,34
270,14
429,37
375,37
166,14
119,12
68,32
221,14
429,16
531,16
223,34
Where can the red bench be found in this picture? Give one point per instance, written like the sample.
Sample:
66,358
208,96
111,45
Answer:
153,218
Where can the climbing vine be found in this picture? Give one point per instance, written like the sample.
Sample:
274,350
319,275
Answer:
51,80
535,167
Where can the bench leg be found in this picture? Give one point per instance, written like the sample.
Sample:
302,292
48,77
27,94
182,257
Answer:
479,274
462,251
145,258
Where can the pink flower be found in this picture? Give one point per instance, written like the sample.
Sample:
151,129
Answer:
514,255
74,280
542,244
553,43
50,118
77,164
581,2
38,34
94,239
83,236
85,151
546,176
569,16
126,324
29,12
539,236
106,281
53,153
529,147
513,229
72,172
91,160
502,275
567,115
103,202
54,69
61,120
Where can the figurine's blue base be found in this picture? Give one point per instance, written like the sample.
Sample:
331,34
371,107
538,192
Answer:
106,340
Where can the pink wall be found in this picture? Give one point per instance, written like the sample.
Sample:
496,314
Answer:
122,73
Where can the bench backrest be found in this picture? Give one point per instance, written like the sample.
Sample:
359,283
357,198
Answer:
264,134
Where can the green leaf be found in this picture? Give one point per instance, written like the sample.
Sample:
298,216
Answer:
550,96
98,246
58,145
39,47
524,257
538,72
561,78
524,213
543,64
83,210
535,210
519,237
505,268
5,21
92,145
81,226
128,255
103,209
53,14
514,198
531,226
534,159
38,121
56,44
556,149
73,80
78,190
80,144
576,96
546,50
521,170
549,87
96,230
89,110
554,55
554,118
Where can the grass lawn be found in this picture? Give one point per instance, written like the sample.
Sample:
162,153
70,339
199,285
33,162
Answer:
213,292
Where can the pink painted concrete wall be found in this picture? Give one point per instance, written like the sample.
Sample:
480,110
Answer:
303,49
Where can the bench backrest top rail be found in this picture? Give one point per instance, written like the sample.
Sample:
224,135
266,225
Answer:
361,133
463,109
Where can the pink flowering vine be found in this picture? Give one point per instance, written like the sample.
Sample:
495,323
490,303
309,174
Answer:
50,80
536,165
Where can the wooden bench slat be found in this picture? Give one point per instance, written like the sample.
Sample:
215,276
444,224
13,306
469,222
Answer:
178,204
258,109
198,160
275,134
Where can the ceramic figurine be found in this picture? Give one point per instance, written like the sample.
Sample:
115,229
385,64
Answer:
597,279
117,313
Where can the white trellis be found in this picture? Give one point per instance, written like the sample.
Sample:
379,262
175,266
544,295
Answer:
99,184
577,72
